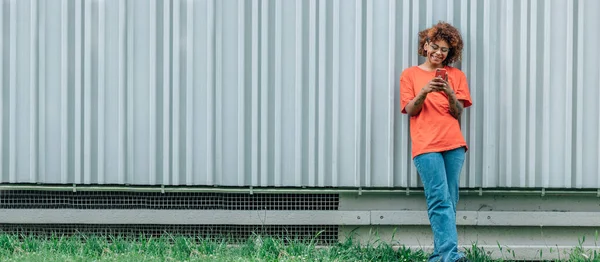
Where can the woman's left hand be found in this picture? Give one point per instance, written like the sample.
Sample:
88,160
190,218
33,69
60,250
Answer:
443,86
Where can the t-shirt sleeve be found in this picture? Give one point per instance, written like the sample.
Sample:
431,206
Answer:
462,91
407,92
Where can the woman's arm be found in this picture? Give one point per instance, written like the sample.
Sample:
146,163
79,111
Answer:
414,107
456,106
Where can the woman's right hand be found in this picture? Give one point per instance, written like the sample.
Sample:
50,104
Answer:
435,85
414,106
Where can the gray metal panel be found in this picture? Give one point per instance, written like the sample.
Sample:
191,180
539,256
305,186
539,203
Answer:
288,93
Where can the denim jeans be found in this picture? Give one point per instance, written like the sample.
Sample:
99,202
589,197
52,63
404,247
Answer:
440,173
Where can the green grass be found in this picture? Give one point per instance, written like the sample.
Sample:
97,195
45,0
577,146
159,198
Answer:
257,248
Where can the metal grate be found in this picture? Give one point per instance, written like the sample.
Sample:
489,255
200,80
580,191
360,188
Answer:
21,199
323,235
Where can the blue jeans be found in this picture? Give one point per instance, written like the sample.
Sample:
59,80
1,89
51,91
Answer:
440,173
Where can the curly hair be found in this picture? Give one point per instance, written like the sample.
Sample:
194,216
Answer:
446,32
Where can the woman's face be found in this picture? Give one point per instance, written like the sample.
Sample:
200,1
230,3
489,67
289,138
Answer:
437,51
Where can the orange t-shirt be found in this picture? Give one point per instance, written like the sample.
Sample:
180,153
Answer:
433,129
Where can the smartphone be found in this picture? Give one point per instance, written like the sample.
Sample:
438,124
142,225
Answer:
441,72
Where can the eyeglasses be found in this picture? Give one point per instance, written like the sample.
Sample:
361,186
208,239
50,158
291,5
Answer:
436,47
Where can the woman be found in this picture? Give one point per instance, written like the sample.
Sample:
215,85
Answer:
435,105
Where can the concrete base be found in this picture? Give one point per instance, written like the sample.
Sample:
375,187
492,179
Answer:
519,243
532,227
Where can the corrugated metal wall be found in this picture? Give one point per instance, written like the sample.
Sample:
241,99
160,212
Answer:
289,93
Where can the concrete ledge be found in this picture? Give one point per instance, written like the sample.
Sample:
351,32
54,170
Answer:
183,217
417,218
271,217
581,219
492,218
